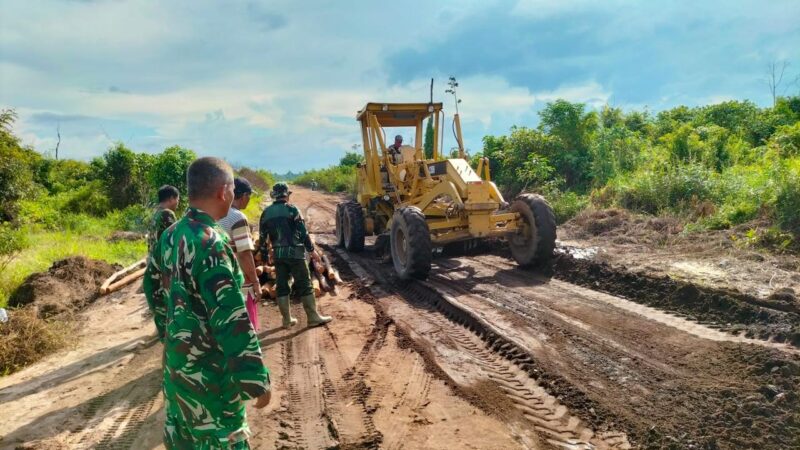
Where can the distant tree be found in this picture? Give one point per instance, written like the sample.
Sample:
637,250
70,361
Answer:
169,167
351,159
428,142
16,162
124,174
572,128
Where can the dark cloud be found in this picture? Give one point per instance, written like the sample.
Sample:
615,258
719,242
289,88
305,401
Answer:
267,20
46,118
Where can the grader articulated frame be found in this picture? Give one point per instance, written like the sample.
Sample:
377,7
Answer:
415,205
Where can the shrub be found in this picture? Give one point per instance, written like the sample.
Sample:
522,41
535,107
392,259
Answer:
567,205
332,179
12,242
133,218
654,191
787,204
88,199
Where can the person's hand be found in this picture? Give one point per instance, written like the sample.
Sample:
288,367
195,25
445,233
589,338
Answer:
263,400
271,257
257,290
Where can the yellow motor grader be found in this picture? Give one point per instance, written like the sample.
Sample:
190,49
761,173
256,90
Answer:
417,205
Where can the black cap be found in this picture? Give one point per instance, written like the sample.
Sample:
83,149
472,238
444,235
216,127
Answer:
241,186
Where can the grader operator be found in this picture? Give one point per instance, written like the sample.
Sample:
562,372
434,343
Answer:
415,205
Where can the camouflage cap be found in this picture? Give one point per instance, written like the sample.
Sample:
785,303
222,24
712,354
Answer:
280,190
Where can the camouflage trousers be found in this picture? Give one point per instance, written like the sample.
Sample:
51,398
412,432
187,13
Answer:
297,268
178,436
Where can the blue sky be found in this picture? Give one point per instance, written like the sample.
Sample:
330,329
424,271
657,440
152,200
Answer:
277,84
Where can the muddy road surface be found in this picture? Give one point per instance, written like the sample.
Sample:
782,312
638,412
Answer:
611,371
483,354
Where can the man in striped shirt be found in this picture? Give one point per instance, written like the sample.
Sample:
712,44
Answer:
238,229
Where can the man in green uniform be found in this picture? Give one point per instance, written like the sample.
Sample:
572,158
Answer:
212,359
164,215
282,225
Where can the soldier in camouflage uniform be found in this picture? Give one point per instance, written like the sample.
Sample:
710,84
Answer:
282,226
212,359
164,215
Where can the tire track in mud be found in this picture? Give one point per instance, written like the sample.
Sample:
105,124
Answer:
307,406
414,396
504,363
327,397
346,388
114,419
515,279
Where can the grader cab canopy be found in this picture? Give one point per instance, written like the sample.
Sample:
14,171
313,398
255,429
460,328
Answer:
415,204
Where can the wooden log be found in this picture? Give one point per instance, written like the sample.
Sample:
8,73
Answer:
138,265
323,283
333,274
317,290
125,281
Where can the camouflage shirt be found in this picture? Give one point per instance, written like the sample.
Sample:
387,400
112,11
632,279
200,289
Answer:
212,358
161,219
283,225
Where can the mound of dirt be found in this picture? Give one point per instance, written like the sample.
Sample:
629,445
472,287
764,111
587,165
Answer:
622,225
69,285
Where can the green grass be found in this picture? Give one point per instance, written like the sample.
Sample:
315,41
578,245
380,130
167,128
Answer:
49,246
254,209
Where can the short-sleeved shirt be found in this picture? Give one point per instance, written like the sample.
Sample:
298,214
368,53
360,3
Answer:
235,224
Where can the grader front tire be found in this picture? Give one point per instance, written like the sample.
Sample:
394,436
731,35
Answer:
534,245
410,243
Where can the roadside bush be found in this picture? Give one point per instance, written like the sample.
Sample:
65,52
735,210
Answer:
133,218
88,199
787,204
674,190
332,179
567,205
41,213
12,242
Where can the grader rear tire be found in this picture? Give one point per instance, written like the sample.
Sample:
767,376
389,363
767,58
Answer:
410,243
353,227
339,225
535,244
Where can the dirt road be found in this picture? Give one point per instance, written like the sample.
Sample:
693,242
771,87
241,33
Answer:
482,355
